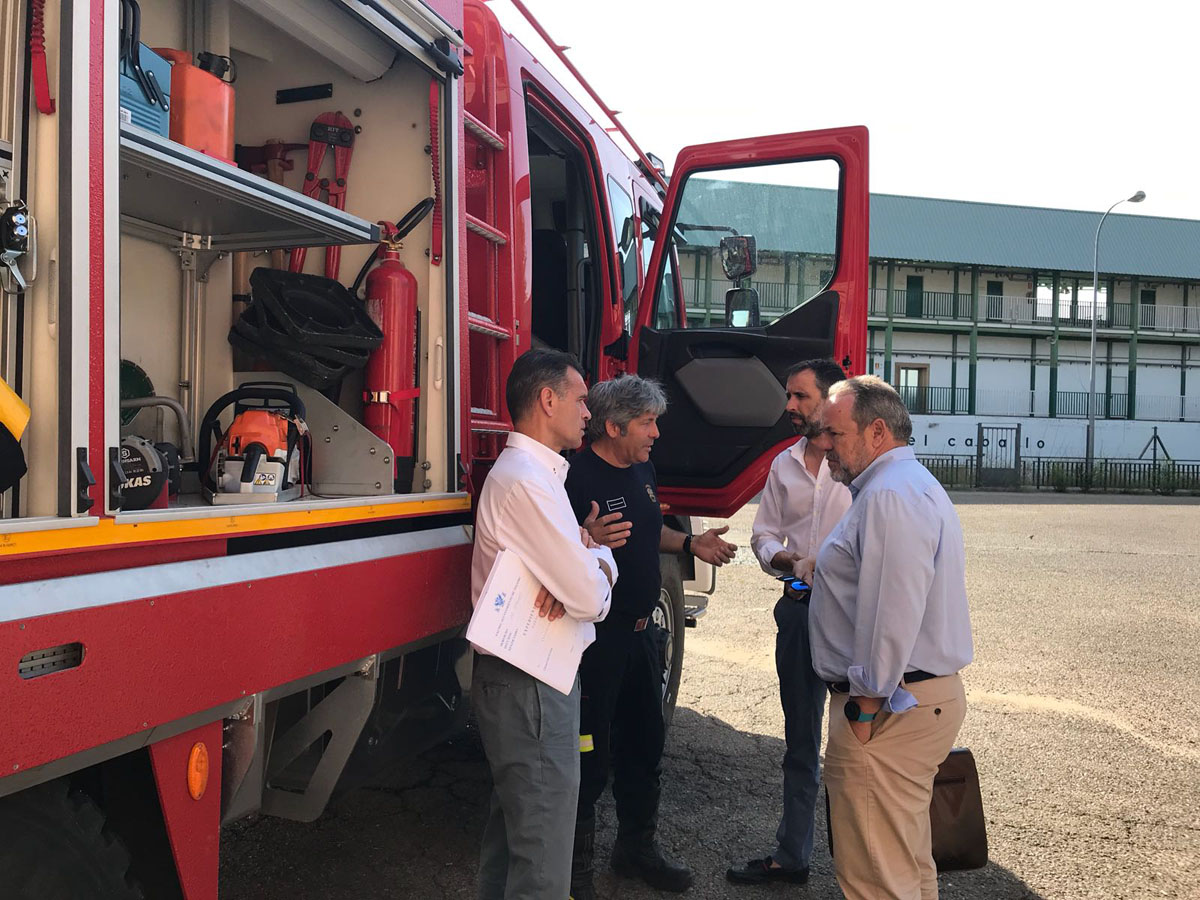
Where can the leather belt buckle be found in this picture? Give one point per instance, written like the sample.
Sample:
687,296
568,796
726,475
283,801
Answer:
640,624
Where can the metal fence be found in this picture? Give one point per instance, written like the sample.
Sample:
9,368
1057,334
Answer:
1164,476
952,471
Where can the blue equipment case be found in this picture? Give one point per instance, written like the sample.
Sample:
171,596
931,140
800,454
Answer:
136,109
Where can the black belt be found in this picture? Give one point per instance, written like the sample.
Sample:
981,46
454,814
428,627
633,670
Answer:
913,677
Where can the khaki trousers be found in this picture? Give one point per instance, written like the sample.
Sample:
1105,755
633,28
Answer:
879,792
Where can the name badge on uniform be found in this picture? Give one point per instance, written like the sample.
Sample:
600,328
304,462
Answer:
615,504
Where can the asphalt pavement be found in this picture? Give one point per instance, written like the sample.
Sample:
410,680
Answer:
1083,717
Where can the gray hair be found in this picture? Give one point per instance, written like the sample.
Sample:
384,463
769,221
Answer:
622,400
875,399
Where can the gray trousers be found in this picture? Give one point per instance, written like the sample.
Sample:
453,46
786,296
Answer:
530,734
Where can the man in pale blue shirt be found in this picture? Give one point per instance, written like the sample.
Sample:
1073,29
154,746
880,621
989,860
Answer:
890,631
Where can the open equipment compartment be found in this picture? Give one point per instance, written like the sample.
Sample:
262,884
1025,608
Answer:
200,236
41,334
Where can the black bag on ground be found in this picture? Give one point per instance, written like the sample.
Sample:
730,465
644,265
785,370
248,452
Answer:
955,815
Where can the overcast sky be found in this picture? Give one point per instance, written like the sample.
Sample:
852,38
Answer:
1058,104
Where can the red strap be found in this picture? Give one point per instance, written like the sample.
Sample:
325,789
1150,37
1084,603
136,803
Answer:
37,57
407,394
435,238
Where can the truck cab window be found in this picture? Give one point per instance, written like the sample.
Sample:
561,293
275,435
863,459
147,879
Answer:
625,238
759,251
666,312
565,288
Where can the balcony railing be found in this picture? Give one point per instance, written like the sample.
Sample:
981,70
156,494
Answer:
706,299
775,298
1074,405
1027,311
940,401
935,401
925,305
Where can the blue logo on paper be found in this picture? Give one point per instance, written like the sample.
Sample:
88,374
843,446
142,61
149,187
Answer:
499,601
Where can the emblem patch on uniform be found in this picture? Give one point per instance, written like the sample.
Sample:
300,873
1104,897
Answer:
615,503
650,494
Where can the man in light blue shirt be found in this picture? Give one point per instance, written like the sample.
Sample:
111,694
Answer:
890,632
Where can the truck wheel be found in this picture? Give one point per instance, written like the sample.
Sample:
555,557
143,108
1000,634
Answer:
669,616
53,846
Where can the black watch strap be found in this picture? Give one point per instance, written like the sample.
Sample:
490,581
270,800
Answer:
687,544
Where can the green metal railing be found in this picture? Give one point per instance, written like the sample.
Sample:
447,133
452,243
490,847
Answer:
1074,404
1161,476
936,400
951,471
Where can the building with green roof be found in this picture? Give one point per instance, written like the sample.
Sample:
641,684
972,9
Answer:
982,309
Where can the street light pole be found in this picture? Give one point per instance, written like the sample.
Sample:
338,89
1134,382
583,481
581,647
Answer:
1091,426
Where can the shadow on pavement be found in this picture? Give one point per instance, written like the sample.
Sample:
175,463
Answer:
415,834
722,789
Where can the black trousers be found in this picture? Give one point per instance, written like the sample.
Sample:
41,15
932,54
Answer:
621,725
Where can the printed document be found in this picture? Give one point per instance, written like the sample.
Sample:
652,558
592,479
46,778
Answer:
506,624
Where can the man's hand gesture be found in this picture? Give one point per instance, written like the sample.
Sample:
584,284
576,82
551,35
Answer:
711,548
606,530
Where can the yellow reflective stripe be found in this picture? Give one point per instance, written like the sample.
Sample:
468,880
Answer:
107,532
586,744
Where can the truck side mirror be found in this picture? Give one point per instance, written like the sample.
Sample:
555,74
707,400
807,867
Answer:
741,308
739,256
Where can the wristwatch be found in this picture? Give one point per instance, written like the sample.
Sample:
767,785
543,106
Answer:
855,714
687,545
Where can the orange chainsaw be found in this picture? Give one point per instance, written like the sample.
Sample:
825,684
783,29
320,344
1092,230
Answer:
265,455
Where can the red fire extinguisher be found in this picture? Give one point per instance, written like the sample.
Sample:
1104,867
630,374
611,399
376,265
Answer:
391,391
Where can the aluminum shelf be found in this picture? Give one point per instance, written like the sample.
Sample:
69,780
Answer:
178,196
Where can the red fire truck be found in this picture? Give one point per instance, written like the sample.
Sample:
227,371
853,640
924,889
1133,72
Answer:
236,530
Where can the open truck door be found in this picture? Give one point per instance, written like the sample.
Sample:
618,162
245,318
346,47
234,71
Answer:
784,279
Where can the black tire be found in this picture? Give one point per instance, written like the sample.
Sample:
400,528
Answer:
53,846
668,615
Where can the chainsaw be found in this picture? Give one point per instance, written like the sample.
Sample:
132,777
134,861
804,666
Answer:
265,455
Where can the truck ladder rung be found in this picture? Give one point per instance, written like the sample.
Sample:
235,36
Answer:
481,131
486,231
484,325
478,427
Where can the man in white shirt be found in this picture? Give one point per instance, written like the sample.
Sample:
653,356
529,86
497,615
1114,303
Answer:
890,632
530,731
800,505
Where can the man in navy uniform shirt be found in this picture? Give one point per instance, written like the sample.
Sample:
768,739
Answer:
615,496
